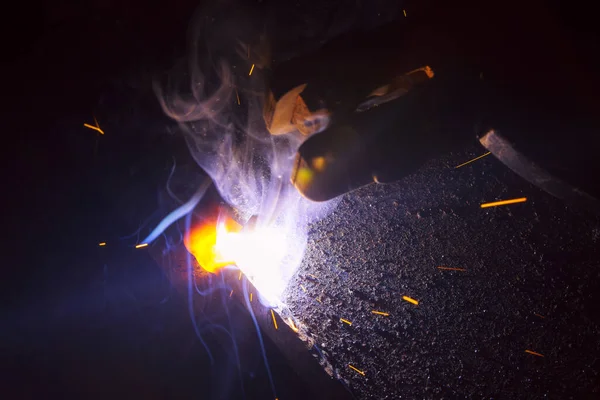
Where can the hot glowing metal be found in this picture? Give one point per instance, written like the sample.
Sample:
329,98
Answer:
258,253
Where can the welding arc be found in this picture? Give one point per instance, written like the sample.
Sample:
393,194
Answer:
178,213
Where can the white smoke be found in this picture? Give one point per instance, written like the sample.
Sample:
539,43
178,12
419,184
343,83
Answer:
219,107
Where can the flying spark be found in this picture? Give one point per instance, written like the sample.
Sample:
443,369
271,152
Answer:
274,320
452,269
251,69
538,315
475,159
404,11
292,325
356,369
102,244
504,202
238,96
534,353
303,288
231,293
140,246
410,300
345,321
381,313
250,296
95,128
240,276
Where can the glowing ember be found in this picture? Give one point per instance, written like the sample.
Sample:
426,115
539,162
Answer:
534,353
381,313
258,253
352,367
410,300
96,127
504,202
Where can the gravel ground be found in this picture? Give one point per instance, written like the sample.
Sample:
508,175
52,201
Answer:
529,280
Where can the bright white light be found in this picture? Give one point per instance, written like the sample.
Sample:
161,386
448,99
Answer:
261,256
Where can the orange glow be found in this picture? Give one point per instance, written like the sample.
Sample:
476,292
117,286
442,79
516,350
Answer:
352,367
258,252
452,269
534,353
410,300
504,202
292,325
381,313
274,320
201,242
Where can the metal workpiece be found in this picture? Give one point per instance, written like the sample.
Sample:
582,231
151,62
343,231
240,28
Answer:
423,288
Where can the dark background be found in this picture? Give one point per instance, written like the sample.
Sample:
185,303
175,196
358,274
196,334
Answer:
79,320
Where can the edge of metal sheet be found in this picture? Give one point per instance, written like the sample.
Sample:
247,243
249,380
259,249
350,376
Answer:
504,151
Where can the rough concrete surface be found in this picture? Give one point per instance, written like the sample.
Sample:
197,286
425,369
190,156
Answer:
529,281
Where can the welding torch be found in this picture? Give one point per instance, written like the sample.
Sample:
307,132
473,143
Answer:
375,106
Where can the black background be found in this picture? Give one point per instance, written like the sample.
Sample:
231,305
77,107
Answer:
63,63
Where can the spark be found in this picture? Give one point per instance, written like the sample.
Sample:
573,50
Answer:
274,320
102,244
534,353
251,69
303,288
250,296
452,269
292,325
313,276
381,313
356,369
231,293
376,179
319,300
410,300
538,315
404,11
238,96
345,321
95,128
475,159
240,276
504,202
140,246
